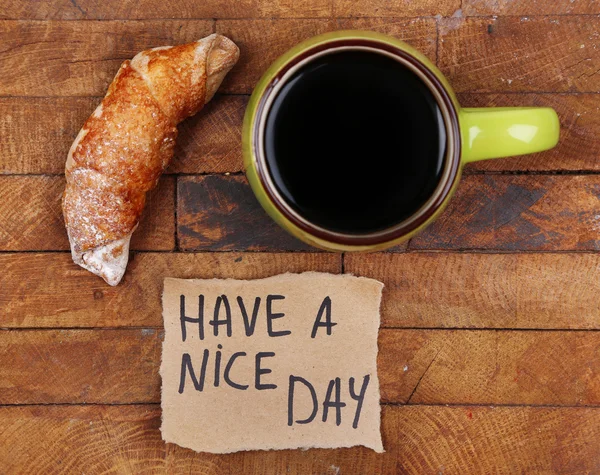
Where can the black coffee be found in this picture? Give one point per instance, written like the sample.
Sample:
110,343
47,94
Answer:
355,142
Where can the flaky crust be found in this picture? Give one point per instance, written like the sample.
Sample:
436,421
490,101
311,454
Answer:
126,144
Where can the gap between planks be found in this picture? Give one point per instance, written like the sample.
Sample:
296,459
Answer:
466,172
328,17
318,251
234,94
386,328
389,404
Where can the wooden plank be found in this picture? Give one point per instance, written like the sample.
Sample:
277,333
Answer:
73,439
51,125
126,10
85,71
149,9
474,290
518,213
415,366
262,41
539,7
458,440
417,439
31,216
290,8
578,148
492,212
394,8
418,32
489,367
80,365
36,290
210,141
80,58
421,289
550,54
207,142
220,213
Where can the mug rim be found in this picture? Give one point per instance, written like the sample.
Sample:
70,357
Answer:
450,116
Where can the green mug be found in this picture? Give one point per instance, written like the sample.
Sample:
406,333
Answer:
471,134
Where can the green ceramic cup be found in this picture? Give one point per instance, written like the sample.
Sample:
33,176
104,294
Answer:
472,134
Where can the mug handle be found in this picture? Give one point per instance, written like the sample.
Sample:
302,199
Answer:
495,132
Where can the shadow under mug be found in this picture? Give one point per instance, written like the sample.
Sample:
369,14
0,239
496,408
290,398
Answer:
472,134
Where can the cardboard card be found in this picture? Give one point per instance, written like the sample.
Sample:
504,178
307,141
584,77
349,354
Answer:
277,363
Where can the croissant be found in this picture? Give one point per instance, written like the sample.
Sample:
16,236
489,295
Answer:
127,143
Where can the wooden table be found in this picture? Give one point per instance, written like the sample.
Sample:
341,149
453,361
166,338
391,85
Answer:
490,350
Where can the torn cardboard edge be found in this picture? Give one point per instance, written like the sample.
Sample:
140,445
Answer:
317,327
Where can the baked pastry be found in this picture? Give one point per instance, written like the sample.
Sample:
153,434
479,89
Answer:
127,143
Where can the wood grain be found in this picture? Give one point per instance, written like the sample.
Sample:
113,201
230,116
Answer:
433,349
578,148
55,439
395,8
51,124
262,41
80,366
428,290
518,213
31,216
36,290
538,7
148,9
489,367
474,290
553,59
220,213
417,439
290,8
492,212
207,142
80,58
415,366
418,32
425,439
512,54
210,141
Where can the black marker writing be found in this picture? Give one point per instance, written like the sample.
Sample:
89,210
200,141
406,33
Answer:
218,365
215,322
272,316
186,366
260,371
360,397
291,389
328,324
249,324
226,376
337,403
183,319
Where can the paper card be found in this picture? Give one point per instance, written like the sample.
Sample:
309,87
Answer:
277,363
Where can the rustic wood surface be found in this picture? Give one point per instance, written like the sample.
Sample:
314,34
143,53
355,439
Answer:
209,142
31,215
120,366
418,439
490,346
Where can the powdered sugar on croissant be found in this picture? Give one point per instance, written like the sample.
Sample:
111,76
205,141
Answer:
127,143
